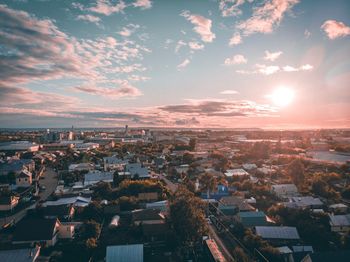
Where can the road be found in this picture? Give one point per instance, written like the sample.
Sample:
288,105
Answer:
220,244
50,182
170,185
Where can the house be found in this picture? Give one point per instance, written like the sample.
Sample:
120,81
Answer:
113,163
304,202
285,190
125,253
136,169
16,166
81,167
8,203
94,177
339,223
62,212
146,215
278,234
338,208
338,256
66,230
237,173
24,179
252,218
77,201
20,255
160,205
36,230
241,204
249,167
148,196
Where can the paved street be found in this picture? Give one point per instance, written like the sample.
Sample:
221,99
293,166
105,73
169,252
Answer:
220,244
50,182
170,185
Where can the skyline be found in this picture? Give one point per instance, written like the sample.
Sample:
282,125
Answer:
274,64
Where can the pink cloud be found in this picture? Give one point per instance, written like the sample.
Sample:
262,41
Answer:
236,60
335,29
144,4
89,18
235,39
202,26
105,7
125,90
266,17
272,56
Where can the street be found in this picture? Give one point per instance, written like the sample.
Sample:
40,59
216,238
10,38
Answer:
170,185
220,244
50,182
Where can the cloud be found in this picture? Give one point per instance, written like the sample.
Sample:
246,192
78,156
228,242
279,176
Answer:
129,30
272,56
266,17
202,26
183,64
89,18
272,69
218,108
335,29
236,60
143,4
113,93
229,92
231,7
179,45
187,122
235,39
105,7
195,45
307,33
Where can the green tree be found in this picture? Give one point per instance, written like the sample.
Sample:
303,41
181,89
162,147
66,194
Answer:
296,171
208,183
187,216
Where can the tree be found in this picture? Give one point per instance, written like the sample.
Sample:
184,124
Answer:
192,144
187,216
208,183
91,229
240,255
296,171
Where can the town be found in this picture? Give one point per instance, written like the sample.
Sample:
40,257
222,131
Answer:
133,194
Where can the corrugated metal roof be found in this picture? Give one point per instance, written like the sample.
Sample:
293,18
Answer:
125,253
275,232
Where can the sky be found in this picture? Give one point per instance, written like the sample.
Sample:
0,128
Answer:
274,64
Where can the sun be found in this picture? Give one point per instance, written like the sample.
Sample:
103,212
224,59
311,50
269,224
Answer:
282,96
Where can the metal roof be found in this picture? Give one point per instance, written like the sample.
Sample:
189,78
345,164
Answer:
275,232
125,253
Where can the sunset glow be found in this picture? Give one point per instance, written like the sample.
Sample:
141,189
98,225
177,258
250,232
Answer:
282,96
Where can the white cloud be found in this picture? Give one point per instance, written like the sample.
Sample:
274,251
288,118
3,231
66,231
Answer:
307,33
143,4
195,45
272,56
266,17
183,64
89,18
105,7
179,45
335,29
231,7
235,39
267,70
236,60
229,92
202,26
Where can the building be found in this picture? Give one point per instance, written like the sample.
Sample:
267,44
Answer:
338,256
252,219
94,177
7,203
339,223
136,169
24,179
124,253
36,230
20,255
148,196
77,201
17,146
81,167
16,166
237,173
241,204
278,234
285,190
113,163
304,202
